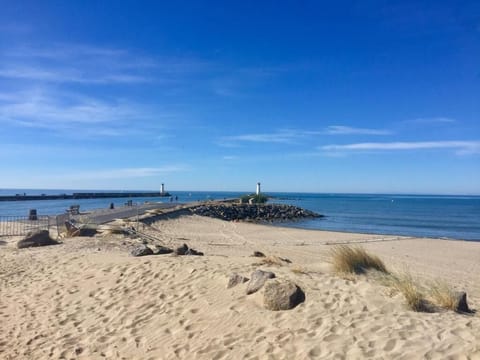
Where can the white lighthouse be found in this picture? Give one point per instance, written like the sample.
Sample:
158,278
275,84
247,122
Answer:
258,188
162,189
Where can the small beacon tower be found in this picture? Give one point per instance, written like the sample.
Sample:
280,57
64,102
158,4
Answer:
258,188
162,189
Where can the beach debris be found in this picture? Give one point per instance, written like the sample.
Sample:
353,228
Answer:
77,229
282,295
461,305
236,279
161,250
37,238
258,254
141,250
254,212
258,278
185,250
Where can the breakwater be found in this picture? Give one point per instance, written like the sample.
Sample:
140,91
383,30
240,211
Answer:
254,212
83,195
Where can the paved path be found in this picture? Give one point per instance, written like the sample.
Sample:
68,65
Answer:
105,216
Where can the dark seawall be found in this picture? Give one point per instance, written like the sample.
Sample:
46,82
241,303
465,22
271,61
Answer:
93,195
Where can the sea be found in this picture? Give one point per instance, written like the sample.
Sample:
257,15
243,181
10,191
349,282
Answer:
431,216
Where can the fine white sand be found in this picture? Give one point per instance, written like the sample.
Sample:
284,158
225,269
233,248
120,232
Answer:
88,299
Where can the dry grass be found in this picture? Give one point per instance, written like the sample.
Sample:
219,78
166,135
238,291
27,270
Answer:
299,270
271,260
443,295
354,260
414,295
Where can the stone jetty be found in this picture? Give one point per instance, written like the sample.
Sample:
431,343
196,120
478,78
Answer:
254,212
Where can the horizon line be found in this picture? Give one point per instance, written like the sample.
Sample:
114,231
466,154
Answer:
252,191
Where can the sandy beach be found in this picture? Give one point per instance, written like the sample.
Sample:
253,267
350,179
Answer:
89,299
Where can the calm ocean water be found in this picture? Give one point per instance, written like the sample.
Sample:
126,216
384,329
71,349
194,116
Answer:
455,217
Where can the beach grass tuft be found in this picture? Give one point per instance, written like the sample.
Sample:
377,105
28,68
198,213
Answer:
354,260
443,295
414,295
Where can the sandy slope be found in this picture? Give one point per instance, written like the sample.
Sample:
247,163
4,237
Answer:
88,299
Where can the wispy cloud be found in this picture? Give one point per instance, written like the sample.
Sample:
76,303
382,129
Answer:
64,75
292,136
70,63
348,130
84,64
277,137
461,147
63,112
40,108
432,120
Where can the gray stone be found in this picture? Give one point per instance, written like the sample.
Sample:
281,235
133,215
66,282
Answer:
185,250
38,238
236,279
461,302
282,295
181,250
258,279
161,250
141,250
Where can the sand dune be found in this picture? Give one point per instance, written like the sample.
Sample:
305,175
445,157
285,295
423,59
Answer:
88,299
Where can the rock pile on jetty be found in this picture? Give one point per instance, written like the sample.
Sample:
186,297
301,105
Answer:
255,212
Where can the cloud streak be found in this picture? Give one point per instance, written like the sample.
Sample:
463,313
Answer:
461,147
64,112
65,75
291,136
282,137
40,108
84,64
347,130
433,120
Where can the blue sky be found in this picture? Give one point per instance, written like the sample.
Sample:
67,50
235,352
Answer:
371,96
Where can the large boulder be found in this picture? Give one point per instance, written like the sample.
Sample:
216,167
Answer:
141,250
37,238
257,280
282,295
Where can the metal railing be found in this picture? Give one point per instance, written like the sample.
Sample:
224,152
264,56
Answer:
21,225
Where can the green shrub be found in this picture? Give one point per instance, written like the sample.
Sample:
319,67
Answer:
257,199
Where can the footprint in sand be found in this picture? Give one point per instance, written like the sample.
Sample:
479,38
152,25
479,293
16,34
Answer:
390,345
